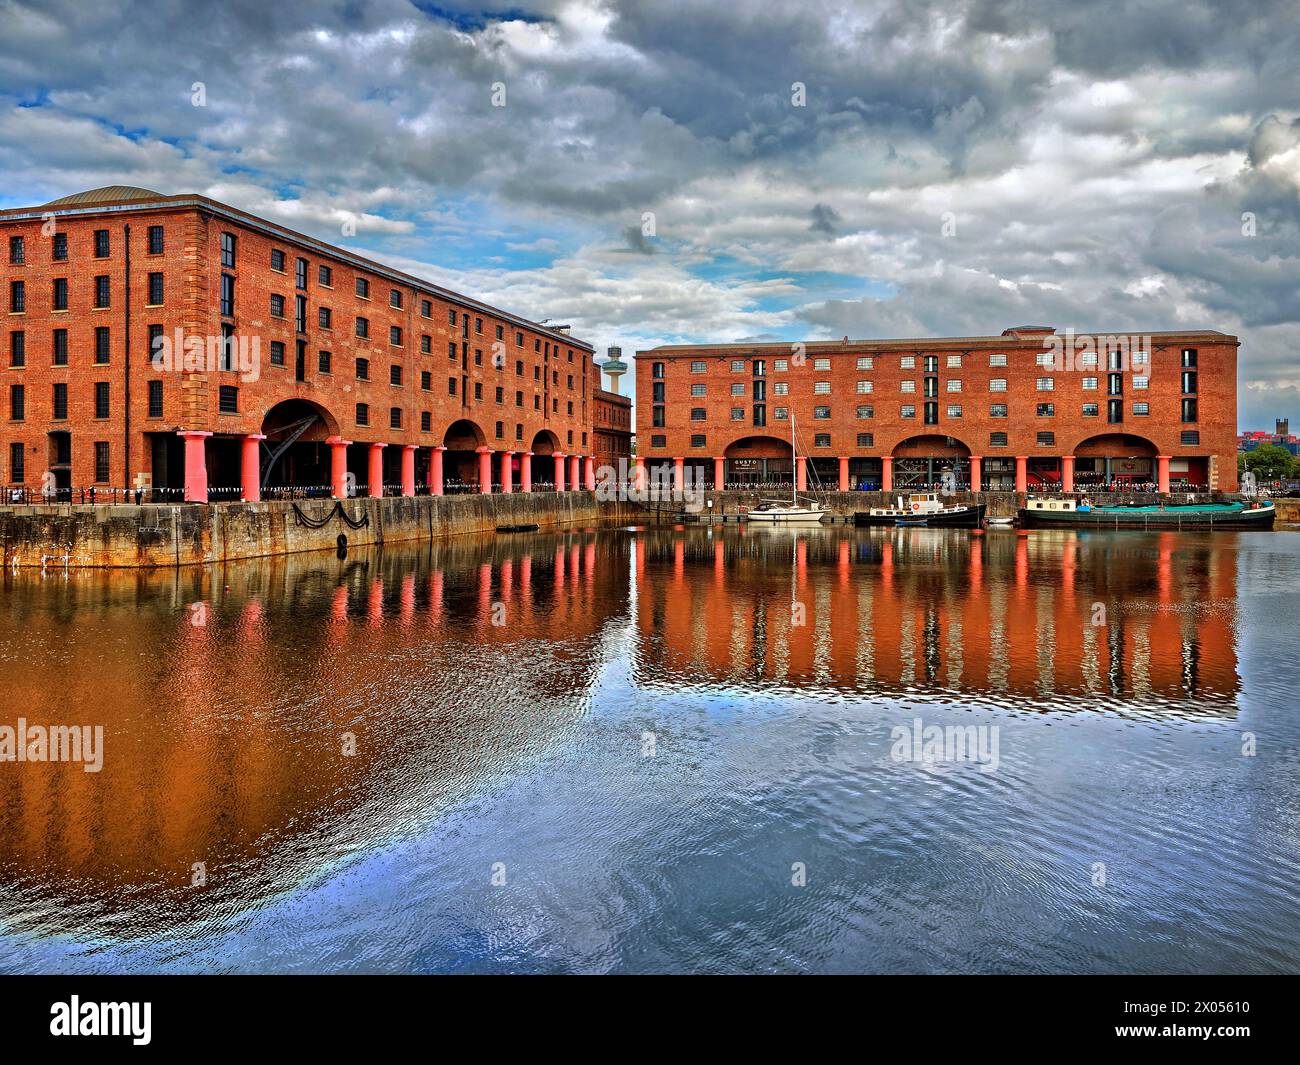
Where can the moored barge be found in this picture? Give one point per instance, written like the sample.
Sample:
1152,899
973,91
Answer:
1052,512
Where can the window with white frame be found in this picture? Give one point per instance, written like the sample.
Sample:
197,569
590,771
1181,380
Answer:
1046,384
998,359
738,389
781,388
865,362
1090,384
907,386
821,364
1045,358
865,388
737,365
866,412
698,390
954,384
907,411
954,410
822,413
1141,408
907,362
699,367
737,414
782,365
821,388
1141,358
1140,382
954,362
1088,358
781,413
997,384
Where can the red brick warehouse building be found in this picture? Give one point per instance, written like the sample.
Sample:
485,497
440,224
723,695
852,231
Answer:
361,369
1029,409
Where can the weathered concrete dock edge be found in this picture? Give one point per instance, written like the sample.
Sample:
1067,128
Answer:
195,534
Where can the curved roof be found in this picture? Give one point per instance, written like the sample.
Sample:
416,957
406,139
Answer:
108,194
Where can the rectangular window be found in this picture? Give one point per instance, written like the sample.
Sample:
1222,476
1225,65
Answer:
395,335
228,252
907,411
101,344
760,415
59,248
738,389
363,288
101,461
102,291
426,308
325,362
954,362
394,375
17,251
781,414
657,370
300,314
227,295
17,348
954,384
866,362
781,365
866,440
363,327
300,274
155,240
1091,410
1141,408
17,297
907,386
1046,410
760,367
17,403
478,328
325,318
395,419
1189,382
101,244
997,384
1045,358
1088,359
1089,384
737,365
907,362
865,388
363,414
1189,358
277,306
325,276
277,260
1142,382
954,410
698,367
997,359
866,412
822,414
822,440
997,410
60,401
821,364
781,388
698,414
101,399
1114,410
698,440
821,388
155,399
698,390
156,289
1190,437
228,399
1046,438
60,347
1046,384
363,369
737,414
17,464
395,298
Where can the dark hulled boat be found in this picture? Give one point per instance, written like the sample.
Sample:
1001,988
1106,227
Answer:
1057,513
923,508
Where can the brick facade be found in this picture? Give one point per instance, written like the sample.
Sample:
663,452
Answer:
443,369
861,410
613,427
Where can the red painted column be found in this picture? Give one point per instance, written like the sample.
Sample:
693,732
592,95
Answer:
887,473
485,471
339,466
250,467
375,474
844,473
1022,473
507,474
408,469
638,473
679,473
1067,473
801,473
719,473
575,472
1162,473
526,472
558,461
589,473
196,465
435,471
976,474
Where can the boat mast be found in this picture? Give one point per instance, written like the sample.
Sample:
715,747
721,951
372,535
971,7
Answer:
794,466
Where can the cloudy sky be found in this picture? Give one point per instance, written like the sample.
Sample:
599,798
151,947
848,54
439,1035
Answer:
948,168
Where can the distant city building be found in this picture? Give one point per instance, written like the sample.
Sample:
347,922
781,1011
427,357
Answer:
996,412
1281,436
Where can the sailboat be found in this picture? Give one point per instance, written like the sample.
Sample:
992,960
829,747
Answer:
792,510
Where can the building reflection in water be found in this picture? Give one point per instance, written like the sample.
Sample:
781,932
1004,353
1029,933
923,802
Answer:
1132,623
228,696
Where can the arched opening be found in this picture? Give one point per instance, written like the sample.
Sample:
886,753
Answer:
544,446
931,461
461,461
294,454
1120,460
758,461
